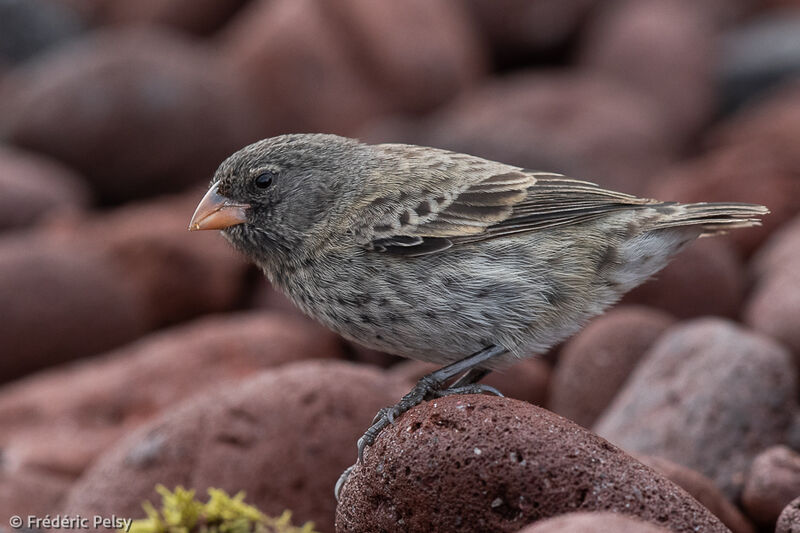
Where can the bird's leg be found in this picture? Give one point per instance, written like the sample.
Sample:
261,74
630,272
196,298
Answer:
468,384
430,386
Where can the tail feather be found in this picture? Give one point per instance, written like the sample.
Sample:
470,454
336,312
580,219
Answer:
713,218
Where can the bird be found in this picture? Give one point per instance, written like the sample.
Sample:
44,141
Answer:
442,256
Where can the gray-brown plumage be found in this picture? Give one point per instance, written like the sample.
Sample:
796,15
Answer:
437,255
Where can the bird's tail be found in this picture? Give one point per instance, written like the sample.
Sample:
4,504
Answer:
713,218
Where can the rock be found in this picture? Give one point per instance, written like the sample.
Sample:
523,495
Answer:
179,274
726,175
789,520
60,303
780,252
664,49
30,493
342,63
29,27
526,380
137,112
283,437
703,490
595,522
35,187
772,484
706,278
59,421
708,395
483,463
518,29
195,16
767,129
758,55
774,306
549,121
595,363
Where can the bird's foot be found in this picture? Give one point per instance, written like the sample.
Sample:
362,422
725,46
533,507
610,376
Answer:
425,389
473,388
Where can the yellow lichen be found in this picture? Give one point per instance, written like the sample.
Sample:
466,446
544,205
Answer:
181,512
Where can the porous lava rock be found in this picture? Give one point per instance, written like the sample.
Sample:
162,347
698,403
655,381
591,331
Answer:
773,482
773,306
705,278
137,112
519,29
664,49
703,490
24,493
61,302
525,380
597,522
195,16
35,187
781,251
483,463
178,274
789,520
709,395
58,421
578,123
283,437
593,365
342,63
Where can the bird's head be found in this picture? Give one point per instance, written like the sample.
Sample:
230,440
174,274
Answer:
275,194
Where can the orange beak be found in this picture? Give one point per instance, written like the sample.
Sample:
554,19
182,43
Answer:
217,212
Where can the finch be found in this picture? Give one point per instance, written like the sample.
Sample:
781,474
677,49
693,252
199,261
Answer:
442,256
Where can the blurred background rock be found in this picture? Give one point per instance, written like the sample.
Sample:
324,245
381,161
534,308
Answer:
114,115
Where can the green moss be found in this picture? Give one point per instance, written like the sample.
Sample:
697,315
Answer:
181,512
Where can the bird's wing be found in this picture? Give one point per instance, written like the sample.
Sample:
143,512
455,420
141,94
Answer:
474,199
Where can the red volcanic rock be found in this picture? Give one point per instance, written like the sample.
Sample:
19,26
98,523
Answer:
60,302
665,49
179,274
709,395
789,520
780,252
727,175
34,187
30,493
602,521
417,54
526,380
703,490
706,278
578,124
283,437
60,421
196,16
518,28
594,364
772,484
772,125
483,463
773,307
137,112
340,63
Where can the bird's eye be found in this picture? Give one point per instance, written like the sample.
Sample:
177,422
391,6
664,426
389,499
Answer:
264,179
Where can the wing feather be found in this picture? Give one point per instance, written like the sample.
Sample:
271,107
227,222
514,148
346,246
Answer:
463,199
